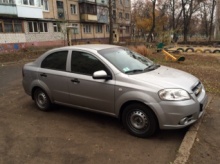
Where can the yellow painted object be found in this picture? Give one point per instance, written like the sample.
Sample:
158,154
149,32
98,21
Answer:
169,56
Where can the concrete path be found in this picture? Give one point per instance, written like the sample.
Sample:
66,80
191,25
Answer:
201,143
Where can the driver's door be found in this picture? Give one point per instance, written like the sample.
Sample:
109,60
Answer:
94,94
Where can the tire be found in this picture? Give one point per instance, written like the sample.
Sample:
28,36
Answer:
198,50
139,120
216,51
180,49
42,100
207,51
190,49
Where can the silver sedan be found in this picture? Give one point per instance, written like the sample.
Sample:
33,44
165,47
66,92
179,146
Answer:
116,81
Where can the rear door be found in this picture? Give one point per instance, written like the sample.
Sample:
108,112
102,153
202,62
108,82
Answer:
86,91
53,76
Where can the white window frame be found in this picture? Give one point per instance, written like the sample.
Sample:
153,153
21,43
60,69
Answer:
43,25
45,5
127,30
7,1
29,2
57,27
33,29
120,15
73,9
87,28
98,28
76,28
127,16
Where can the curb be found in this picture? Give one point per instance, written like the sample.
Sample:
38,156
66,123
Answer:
188,140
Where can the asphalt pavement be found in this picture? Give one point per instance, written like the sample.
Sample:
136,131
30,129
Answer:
68,136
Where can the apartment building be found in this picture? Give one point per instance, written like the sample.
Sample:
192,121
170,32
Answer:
26,23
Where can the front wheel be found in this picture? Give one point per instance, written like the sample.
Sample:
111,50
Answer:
41,100
139,120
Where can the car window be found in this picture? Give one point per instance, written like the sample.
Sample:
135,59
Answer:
56,61
126,60
85,63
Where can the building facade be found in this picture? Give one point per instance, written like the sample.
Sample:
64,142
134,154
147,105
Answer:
58,22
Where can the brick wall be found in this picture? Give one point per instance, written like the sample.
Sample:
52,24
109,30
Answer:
12,38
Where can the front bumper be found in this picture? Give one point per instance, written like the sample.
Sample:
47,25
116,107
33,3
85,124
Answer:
179,114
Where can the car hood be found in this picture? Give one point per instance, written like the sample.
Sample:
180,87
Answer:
166,77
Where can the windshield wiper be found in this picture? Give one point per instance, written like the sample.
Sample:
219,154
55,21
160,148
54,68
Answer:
151,67
134,71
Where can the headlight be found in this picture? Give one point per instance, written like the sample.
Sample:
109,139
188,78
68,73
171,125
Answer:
174,94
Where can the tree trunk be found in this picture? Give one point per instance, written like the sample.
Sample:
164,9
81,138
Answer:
153,25
211,21
110,22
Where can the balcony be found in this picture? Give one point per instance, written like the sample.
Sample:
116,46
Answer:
8,9
24,11
88,18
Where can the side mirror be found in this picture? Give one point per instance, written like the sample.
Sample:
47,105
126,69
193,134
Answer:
101,75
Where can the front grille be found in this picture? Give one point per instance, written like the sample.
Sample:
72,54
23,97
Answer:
197,89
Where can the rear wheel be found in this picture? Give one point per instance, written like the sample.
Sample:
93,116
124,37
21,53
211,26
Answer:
42,100
139,120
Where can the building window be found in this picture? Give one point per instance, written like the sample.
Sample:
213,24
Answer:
37,27
73,9
121,2
86,8
28,2
33,26
43,27
45,5
60,10
75,28
114,4
18,26
7,1
1,26
120,15
56,27
87,28
114,16
9,26
31,2
127,30
127,16
99,29
25,2
107,28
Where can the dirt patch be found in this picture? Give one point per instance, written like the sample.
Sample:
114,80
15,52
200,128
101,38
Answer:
204,66
23,54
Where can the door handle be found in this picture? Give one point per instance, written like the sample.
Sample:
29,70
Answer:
75,81
43,74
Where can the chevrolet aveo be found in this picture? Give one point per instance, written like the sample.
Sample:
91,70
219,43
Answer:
116,81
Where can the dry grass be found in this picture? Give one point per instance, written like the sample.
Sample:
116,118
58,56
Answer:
204,66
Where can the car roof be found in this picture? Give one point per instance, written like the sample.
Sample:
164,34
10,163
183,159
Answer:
96,47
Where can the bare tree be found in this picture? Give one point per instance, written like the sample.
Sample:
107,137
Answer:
150,35
212,17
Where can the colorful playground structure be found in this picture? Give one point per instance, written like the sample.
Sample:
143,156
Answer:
173,58
160,47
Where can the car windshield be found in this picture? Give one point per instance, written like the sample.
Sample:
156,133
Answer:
127,61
